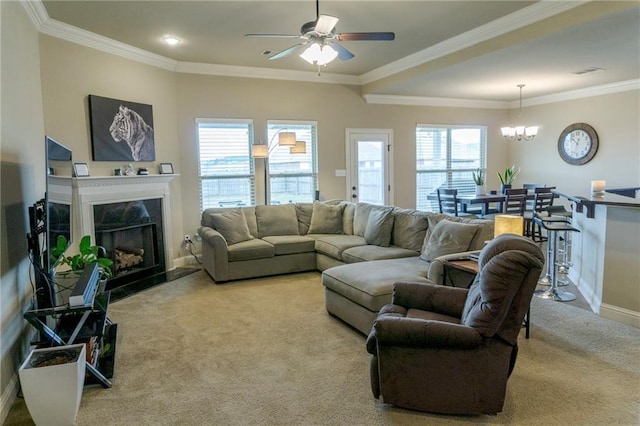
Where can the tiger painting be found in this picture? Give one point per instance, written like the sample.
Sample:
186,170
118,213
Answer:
129,126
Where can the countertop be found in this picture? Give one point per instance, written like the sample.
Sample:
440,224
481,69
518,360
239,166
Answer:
590,200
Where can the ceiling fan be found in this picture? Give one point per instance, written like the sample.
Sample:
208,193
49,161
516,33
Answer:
322,40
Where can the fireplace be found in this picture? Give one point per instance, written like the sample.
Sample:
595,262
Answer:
130,216
131,233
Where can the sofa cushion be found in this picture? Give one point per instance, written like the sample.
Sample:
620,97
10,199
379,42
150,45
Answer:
251,249
303,212
484,234
232,224
361,216
354,281
347,217
370,252
277,220
379,225
326,219
448,237
409,228
290,244
334,245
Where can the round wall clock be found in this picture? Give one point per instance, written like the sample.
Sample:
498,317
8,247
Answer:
578,143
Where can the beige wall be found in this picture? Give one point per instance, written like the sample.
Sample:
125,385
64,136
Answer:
335,108
22,172
616,119
71,72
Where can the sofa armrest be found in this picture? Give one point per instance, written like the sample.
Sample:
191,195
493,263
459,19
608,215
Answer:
436,268
215,255
430,297
415,332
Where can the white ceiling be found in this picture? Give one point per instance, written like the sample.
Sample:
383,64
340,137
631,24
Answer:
471,50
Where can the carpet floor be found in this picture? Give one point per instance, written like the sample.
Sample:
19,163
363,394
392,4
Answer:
265,352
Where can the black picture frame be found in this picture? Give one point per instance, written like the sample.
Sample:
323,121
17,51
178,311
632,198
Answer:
166,168
80,169
121,130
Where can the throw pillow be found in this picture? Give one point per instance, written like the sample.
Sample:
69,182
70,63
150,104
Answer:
448,237
326,219
378,230
277,220
232,225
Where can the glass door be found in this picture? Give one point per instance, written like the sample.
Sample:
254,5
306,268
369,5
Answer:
368,162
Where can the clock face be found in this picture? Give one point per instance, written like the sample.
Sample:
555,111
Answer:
578,143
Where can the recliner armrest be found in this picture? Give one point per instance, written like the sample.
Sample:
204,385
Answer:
430,297
415,332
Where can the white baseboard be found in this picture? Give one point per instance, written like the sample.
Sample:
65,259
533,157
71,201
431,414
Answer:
185,261
8,397
624,316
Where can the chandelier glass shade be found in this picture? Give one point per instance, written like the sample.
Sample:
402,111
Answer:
520,133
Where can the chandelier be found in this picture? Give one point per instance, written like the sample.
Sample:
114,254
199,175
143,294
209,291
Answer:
520,133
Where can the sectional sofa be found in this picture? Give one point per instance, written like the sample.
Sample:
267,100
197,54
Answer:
361,249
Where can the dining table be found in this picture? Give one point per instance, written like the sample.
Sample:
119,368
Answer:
485,200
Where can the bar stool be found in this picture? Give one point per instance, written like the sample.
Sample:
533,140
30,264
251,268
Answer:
564,246
547,279
554,227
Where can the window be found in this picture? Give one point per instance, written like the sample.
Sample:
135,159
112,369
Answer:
225,165
446,157
293,178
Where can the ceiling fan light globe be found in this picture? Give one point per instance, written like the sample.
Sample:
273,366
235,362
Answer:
311,53
327,54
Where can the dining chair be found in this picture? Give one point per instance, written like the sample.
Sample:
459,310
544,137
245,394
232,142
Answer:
531,187
448,201
542,199
515,200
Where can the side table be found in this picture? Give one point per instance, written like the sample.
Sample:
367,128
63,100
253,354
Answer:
468,266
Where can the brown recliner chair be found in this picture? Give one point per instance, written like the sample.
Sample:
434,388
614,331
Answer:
450,350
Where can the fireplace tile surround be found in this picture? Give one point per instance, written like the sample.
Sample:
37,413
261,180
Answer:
89,192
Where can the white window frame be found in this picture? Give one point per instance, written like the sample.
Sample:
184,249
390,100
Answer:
250,196
279,153
460,178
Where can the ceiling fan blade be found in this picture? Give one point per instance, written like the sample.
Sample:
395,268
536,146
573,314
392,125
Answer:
365,36
343,53
286,52
273,35
325,24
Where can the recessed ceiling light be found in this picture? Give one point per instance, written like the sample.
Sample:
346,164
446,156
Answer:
171,40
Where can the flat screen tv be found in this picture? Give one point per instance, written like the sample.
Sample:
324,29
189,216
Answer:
50,218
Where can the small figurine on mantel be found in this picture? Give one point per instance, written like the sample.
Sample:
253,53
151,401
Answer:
129,170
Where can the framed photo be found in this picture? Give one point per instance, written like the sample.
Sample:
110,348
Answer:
121,130
166,168
80,169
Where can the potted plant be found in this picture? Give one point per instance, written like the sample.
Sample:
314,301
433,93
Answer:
87,253
479,180
506,179
52,381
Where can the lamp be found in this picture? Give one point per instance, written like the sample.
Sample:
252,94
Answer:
319,54
520,132
260,150
299,148
508,224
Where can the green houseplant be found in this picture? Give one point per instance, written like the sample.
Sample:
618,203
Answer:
87,253
479,180
508,176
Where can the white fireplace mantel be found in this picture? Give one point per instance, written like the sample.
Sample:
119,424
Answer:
96,190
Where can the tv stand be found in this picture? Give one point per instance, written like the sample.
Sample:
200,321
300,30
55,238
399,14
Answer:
87,324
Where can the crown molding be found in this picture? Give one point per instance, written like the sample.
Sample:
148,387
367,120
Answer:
82,37
36,11
605,89
529,15
265,73
588,92
434,102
